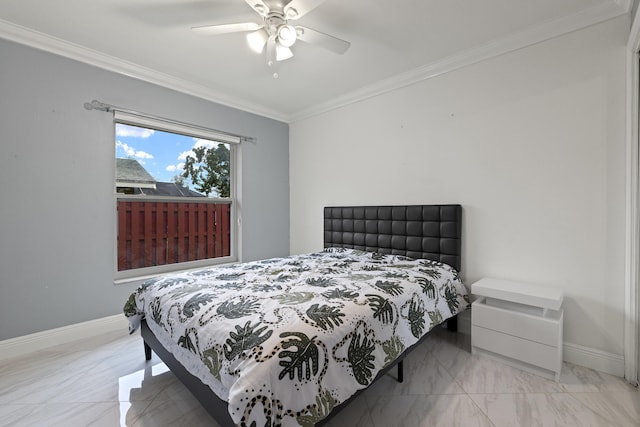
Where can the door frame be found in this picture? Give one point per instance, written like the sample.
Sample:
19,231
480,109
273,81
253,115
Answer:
632,241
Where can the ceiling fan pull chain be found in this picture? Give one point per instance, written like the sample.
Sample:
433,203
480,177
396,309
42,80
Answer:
271,51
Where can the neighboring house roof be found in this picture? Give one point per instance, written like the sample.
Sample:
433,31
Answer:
130,173
168,189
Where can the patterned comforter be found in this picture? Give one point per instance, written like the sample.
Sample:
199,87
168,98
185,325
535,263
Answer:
284,340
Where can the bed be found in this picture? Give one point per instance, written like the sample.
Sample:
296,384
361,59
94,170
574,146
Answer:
291,341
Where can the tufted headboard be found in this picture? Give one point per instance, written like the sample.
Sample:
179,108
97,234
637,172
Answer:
417,231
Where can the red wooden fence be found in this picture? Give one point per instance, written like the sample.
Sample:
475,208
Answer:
158,233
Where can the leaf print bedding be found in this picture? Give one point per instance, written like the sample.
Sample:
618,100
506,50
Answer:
285,340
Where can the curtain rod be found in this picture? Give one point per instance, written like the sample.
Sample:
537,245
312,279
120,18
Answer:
101,106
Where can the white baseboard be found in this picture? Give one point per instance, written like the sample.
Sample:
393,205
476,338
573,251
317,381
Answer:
42,340
602,361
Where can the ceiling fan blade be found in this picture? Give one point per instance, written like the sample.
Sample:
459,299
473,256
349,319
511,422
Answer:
298,8
226,28
326,41
259,6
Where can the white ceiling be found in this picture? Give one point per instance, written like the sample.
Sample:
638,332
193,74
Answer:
393,43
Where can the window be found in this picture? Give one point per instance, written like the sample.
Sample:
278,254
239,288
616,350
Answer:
175,196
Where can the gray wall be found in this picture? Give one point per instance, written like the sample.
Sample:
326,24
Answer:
57,213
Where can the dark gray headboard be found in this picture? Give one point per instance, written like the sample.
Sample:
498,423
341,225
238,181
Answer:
417,231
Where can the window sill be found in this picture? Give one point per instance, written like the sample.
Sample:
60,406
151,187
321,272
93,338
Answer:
142,274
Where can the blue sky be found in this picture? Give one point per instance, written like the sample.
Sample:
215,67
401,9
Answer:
162,154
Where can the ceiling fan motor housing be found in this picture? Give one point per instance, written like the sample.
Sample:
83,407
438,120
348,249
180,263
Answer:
278,27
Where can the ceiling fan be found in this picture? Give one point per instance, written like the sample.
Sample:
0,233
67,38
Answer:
276,33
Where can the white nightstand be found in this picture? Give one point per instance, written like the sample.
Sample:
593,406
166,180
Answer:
519,324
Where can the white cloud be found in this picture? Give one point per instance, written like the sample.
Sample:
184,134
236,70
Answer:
204,143
197,144
133,131
132,152
175,168
184,154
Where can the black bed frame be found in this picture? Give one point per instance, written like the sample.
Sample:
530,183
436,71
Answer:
418,231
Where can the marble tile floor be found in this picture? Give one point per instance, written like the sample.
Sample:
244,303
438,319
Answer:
105,381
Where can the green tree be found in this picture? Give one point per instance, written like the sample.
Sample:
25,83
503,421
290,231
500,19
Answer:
209,170
178,180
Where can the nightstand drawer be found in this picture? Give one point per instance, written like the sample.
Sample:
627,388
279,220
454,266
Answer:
545,330
520,349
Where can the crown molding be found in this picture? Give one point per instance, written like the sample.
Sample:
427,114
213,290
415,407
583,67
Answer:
527,37
48,43
626,5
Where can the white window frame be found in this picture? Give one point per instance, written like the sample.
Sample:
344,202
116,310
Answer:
127,118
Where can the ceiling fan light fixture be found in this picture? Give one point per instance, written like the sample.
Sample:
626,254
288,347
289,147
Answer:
257,40
283,53
287,35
